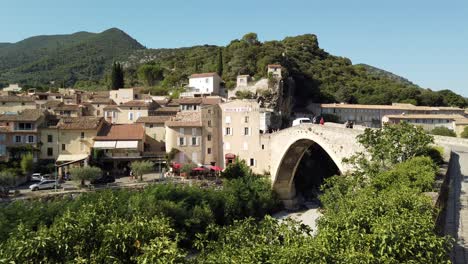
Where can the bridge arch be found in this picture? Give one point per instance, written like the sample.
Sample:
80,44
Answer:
288,147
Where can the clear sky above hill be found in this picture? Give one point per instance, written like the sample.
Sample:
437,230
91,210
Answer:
425,41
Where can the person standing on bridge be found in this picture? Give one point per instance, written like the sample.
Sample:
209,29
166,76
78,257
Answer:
322,121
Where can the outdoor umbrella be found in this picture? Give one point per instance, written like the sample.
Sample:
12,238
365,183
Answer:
198,169
216,168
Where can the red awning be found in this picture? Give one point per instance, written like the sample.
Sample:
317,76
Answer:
216,168
230,156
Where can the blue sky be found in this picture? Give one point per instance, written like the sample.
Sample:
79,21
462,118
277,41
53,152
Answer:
424,41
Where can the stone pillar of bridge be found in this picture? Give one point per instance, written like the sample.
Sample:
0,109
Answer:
287,194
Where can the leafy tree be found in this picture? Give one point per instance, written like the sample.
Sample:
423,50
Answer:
27,163
464,134
187,168
142,167
237,169
245,95
117,76
150,74
251,38
394,143
443,131
87,173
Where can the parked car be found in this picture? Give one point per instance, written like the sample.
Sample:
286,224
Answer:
103,180
46,177
302,120
36,177
47,184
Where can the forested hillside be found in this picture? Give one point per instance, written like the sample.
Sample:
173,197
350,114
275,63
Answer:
83,60
64,59
319,76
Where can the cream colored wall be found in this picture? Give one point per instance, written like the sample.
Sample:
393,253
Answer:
185,154
122,95
73,142
245,147
93,109
16,106
157,134
122,117
45,144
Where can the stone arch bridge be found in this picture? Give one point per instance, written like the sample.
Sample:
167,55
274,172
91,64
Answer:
288,146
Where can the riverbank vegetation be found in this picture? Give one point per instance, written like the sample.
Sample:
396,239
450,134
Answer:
377,214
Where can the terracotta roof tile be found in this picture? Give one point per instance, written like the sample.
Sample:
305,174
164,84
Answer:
136,103
14,98
433,116
68,107
53,103
121,132
153,119
192,101
111,107
102,100
388,107
25,115
212,100
202,75
185,119
84,122
173,102
167,109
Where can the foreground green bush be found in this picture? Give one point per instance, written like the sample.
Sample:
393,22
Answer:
157,224
443,131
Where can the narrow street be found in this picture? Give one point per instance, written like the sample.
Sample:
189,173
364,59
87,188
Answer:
457,207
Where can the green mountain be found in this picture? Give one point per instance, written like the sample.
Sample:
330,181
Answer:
64,59
82,59
379,73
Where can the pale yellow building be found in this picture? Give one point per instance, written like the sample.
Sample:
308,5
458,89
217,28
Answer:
155,131
97,105
184,133
129,112
69,110
76,136
124,95
241,123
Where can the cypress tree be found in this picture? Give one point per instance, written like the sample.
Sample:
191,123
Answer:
220,62
117,76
